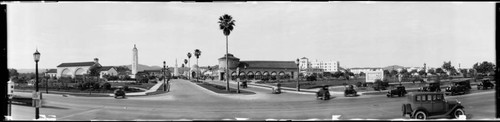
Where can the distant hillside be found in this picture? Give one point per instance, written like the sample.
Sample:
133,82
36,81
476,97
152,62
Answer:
142,67
393,67
30,70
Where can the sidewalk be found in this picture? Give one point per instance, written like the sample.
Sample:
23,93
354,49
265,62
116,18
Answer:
152,89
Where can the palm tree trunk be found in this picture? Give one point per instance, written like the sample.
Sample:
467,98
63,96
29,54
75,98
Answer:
227,68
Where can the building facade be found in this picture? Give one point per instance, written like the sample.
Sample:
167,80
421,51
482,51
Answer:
323,66
51,73
108,70
357,71
75,68
257,70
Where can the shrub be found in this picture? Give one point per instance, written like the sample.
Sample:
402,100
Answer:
106,86
311,78
358,84
95,86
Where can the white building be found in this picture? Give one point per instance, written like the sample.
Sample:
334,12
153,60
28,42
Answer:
75,68
108,70
325,66
364,70
135,62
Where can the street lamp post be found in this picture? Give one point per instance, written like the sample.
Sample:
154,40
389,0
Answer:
238,79
164,77
298,72
36,55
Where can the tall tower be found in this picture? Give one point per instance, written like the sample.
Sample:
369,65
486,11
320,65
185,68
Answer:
176,69
135,61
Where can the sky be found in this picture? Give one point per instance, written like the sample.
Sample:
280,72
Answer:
357,34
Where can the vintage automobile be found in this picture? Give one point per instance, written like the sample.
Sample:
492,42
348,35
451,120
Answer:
426,105
459,87
276,89
432,86
244,84
323,93
399,90
485,84
120,93
350,92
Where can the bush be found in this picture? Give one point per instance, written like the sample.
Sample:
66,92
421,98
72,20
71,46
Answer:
106,86
358,84
125,88
95,86
311,78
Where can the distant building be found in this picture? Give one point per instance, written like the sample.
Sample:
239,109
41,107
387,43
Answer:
51,73
321,66
75,69
364,70
108,70
257,69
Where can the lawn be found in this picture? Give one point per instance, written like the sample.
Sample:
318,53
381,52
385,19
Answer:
222,89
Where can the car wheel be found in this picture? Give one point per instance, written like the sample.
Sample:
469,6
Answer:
458,112
420,115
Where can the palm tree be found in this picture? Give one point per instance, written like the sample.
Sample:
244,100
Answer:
189,56
197,53
226,24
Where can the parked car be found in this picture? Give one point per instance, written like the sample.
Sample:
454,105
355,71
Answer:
432,86
485,84
350,92
277,89
120,93
323,93
244,84
399,90
459,87
424,105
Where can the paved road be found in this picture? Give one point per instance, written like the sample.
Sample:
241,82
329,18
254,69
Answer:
189,101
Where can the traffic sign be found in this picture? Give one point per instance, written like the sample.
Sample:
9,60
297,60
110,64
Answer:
10,88
37,103
36,95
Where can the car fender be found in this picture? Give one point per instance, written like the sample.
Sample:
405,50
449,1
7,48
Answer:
454,108
419,109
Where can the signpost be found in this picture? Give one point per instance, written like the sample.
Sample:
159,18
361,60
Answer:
10,93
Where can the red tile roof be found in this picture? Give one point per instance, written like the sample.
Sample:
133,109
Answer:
52,71
270,64
77,64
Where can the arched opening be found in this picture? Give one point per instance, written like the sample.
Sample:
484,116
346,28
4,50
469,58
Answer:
233,76
250,75
265,75
242,75
273,75
281,75
258,75
66,73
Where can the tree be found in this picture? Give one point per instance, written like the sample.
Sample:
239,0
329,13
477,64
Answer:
338,74
404,72
413,71
447,66
485,67
440,71
13,73
226,24
197,53
94,71
431,71
394,72
386,72
421,72
189,57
